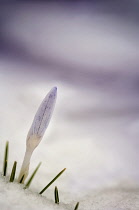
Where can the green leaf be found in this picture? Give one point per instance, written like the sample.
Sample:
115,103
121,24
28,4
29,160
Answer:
56,195
32,176
21,180
5,162
52,181
13,172
77,205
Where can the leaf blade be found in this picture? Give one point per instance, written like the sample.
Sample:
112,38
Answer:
12,177
5,162
48,185
32,176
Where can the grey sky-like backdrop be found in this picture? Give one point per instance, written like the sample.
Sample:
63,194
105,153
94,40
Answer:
90,50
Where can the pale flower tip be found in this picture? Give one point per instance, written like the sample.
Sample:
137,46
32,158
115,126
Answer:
54,89
53,92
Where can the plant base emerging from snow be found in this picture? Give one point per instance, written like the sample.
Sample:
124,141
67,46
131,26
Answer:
13,172
34,137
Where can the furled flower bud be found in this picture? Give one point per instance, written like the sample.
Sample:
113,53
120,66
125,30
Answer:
37,130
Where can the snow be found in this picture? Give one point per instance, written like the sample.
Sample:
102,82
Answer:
17,198
117,198
94,129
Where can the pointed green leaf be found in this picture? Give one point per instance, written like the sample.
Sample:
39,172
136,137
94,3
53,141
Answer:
13,172
21,180
32,176
56,195
5,162
77,205
52,181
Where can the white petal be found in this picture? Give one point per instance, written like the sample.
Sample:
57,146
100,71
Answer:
38,127
43,115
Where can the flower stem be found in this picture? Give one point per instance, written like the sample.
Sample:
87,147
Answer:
25,166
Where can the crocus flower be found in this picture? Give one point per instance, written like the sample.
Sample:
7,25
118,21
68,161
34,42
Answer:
37,130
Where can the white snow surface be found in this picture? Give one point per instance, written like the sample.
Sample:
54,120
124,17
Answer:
94,130
117,198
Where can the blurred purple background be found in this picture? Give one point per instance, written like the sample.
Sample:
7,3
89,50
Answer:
90,50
